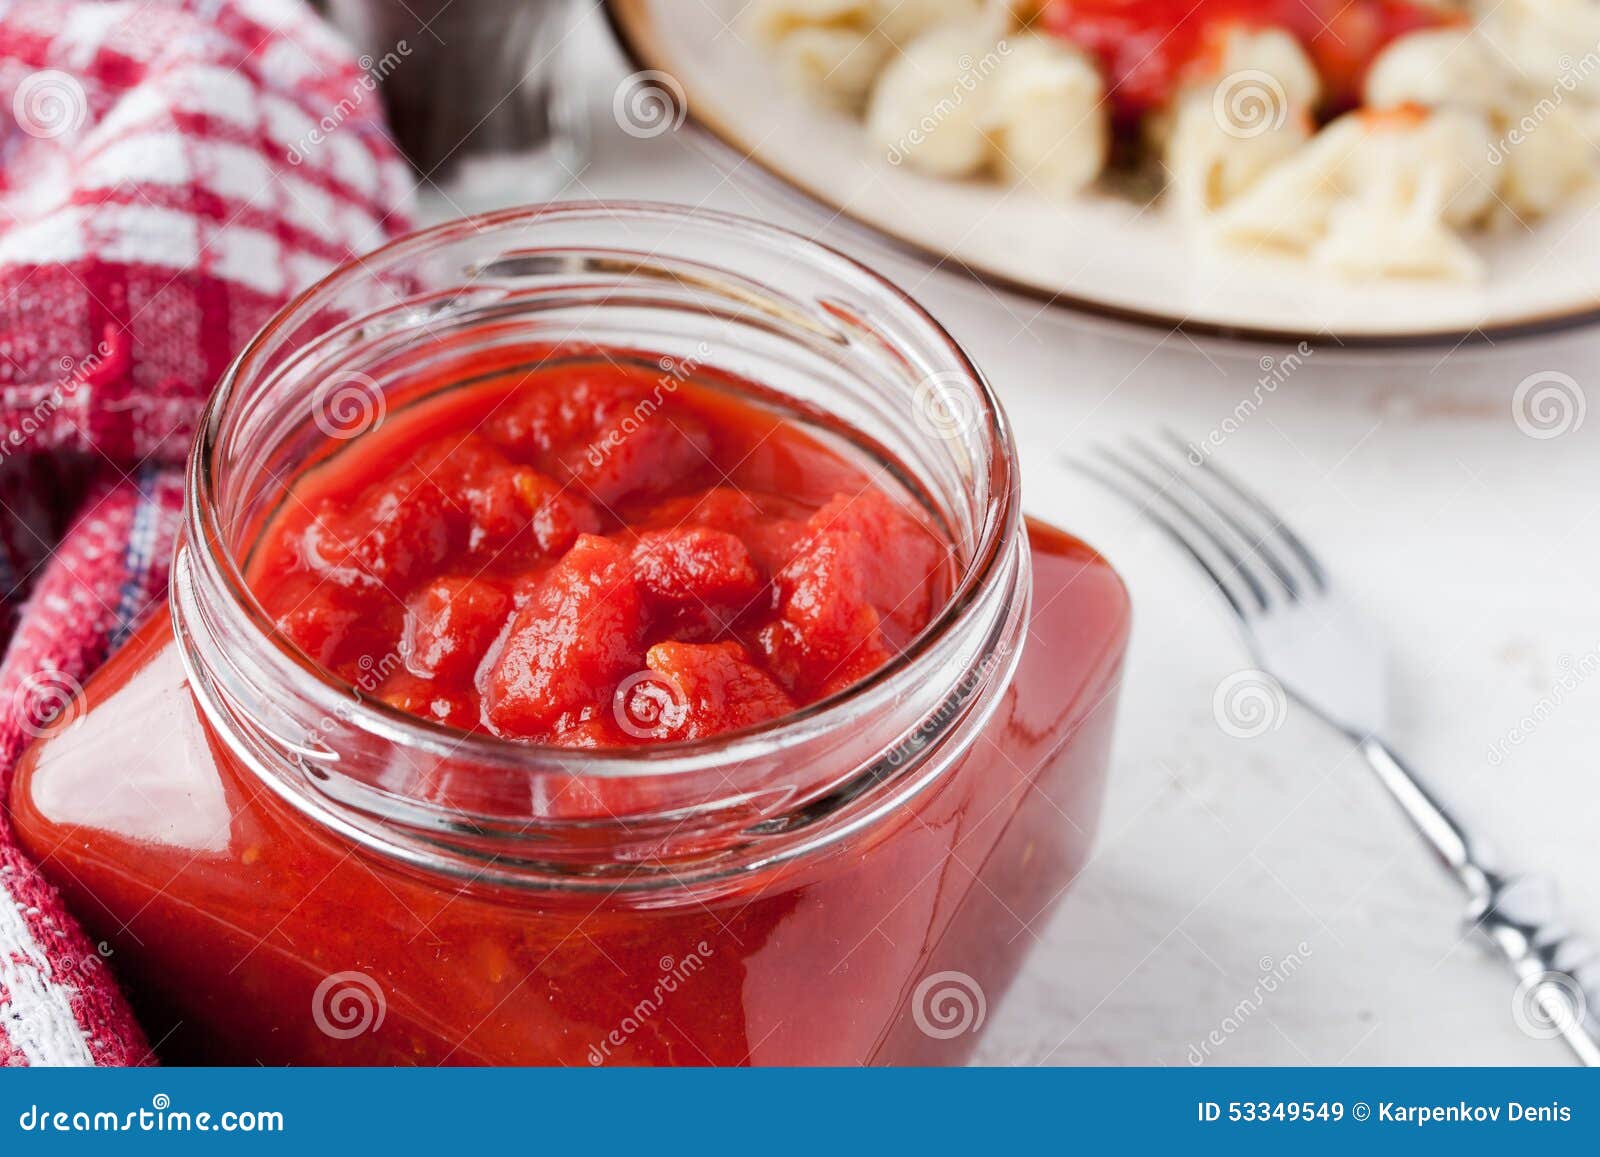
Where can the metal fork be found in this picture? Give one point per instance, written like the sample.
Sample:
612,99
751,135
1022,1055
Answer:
1321,650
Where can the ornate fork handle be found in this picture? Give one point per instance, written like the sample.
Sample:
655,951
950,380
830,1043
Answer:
1558,973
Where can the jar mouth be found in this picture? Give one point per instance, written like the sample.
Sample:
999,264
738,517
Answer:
988,562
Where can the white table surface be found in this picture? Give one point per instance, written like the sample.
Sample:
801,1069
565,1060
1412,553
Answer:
1475,545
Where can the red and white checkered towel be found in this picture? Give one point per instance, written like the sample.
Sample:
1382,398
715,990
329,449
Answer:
170,172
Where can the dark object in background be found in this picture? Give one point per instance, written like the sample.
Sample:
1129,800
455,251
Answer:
476,92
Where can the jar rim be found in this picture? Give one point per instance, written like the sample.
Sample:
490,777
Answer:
204,530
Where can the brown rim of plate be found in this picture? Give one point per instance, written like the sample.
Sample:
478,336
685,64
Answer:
632,32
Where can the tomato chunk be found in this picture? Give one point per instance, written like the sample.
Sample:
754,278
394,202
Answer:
574,558
827,633
713,687
450,624
610,430
394,532
570,643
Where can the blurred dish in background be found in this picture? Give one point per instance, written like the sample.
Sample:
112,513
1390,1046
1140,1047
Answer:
1270,169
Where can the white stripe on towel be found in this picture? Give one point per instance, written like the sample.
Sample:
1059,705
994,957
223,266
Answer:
35,1014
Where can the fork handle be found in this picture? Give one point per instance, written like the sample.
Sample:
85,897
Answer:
1558,973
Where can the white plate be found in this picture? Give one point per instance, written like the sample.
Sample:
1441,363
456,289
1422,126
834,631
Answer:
1101,254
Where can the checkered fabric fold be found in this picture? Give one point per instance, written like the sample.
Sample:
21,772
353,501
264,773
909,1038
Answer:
171,171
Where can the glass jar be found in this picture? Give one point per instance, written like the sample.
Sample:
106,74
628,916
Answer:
853,883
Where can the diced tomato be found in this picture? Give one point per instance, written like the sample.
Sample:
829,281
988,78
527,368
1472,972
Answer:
391,534
504,504
610,430
716,688
450,624
570,643
1149,48
337,626
695,565
827,630
424,697
897,560
771,527
503,564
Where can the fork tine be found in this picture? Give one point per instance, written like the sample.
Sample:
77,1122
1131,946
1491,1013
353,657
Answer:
1198,514
1143,503
1296,545
1255,544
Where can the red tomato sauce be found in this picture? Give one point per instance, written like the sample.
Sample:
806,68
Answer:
594,553
1148,49
791,567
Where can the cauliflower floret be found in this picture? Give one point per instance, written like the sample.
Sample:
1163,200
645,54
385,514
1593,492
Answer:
1544,162
1438,68
1549,43
839,63
902,21
1223,134
1044,110
1278,58
927,108
1367,238
1406,177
